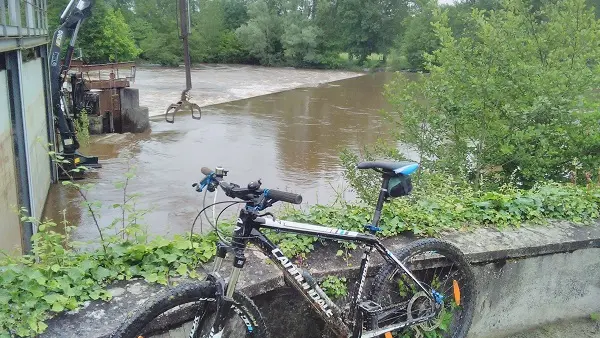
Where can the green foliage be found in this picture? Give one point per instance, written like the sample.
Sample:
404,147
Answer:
82,128
60,274
440,202
334,287
261,35
210,41
156,32
418,39
300,41
57,276
293,245
106,36
369,26
595,317
292,32
510,102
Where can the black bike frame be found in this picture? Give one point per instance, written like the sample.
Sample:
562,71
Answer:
248,230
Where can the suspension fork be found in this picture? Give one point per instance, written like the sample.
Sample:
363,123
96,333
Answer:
240,239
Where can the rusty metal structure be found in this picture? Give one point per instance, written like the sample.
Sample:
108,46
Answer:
98,89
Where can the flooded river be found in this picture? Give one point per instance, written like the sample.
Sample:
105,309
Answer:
290,139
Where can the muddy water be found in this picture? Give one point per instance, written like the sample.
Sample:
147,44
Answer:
289,139
213,84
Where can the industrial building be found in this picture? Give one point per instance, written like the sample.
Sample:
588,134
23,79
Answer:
26,123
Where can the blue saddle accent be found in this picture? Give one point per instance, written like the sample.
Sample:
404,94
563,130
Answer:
407,169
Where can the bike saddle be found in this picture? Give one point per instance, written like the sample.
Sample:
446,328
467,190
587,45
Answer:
402,167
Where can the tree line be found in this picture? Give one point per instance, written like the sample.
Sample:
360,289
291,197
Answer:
302,33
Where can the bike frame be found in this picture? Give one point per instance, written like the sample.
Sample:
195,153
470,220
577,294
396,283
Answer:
248,231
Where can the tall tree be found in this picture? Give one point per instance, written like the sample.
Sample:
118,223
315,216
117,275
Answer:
515,104
370,26
261,36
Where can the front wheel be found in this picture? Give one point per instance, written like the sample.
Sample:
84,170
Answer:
189,311
442,269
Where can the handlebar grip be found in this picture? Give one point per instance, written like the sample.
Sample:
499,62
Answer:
284,196
206,171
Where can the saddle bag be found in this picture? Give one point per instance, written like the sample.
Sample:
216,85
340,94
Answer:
399,185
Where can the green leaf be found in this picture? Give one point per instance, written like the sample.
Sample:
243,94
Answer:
58,307
152,277
39,277
182,244
102,273
182,270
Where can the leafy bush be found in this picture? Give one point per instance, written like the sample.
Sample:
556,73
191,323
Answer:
82,128
512,101
108,37
441,202
60,274
57,276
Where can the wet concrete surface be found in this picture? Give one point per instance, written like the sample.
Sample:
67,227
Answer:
577,328
290,139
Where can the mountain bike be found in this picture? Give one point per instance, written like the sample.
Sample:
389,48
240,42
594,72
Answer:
425,289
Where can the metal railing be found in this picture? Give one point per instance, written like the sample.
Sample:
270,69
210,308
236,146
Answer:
23,18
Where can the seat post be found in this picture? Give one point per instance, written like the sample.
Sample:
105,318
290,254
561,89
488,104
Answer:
381,199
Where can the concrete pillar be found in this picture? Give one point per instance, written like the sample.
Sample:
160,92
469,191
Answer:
135,119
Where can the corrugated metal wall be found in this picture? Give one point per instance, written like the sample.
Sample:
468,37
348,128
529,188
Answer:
37,134
10,227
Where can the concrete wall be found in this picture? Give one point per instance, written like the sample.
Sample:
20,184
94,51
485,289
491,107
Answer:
526,277
37,133
513,296
530,292
10,228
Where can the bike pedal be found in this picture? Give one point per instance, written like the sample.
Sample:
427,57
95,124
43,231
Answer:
370,307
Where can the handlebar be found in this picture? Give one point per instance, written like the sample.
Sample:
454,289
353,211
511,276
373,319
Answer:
253,193
283,196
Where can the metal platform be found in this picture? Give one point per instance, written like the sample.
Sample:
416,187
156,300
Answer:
23,24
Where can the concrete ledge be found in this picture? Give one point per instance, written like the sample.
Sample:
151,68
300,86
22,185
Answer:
526,277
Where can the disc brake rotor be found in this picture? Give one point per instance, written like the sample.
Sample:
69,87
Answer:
423,304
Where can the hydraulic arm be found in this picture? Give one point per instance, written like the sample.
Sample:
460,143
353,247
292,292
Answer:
70,23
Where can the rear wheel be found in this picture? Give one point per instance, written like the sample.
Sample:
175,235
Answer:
171,315
440,267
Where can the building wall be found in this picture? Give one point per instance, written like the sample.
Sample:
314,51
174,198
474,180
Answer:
37,133
10,228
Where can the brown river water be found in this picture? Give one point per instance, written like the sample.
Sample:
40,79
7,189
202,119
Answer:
290,139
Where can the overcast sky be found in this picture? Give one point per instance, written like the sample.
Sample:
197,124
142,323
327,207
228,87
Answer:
444,2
